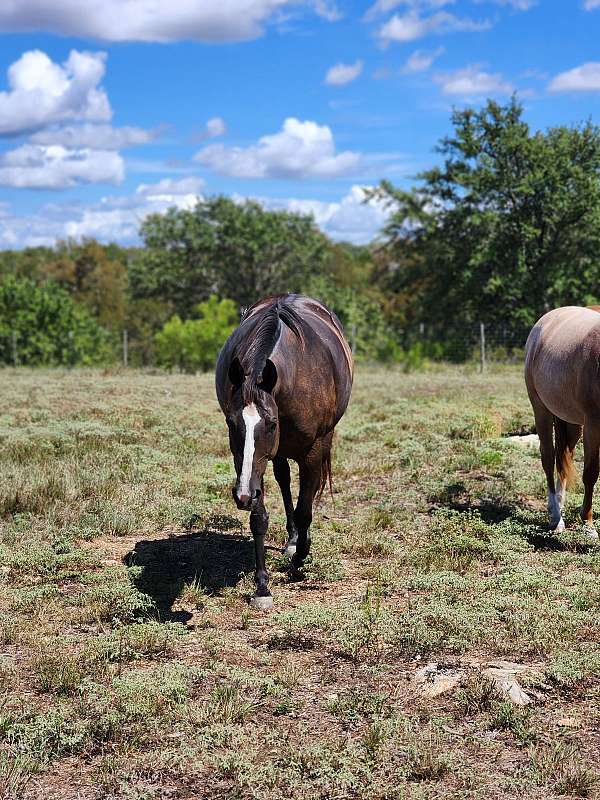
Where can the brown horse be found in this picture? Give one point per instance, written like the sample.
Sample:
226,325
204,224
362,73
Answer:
562,373
283,381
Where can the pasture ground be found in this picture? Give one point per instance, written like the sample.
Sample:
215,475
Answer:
132,667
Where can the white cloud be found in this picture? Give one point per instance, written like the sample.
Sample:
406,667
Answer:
96,137
383,6
519,5
350,219
170,188
411,26
585,78
117,219
215,127
42,93
421,60
299,150
472,81
149,20
341,74
589,5
55,167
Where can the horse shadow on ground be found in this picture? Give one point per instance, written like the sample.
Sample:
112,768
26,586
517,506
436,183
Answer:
493,511
216,556
456,497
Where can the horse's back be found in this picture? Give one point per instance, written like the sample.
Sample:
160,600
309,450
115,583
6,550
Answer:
318,370
561,362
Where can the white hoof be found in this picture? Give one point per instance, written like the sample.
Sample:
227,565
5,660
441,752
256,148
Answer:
289,550
262,603
559,527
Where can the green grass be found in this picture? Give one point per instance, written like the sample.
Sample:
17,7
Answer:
132,666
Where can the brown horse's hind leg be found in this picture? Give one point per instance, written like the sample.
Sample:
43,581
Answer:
311,476
591,469
281,469
544,423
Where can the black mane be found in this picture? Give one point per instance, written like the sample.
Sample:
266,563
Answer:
265,334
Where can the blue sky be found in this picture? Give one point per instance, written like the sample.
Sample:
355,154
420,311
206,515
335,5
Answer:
113,109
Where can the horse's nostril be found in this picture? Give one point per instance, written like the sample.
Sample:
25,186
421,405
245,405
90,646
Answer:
256,495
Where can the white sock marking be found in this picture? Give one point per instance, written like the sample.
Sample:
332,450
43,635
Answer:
561,493
556,520
251,417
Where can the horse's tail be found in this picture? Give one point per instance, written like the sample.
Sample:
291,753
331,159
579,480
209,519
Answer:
325,477
564,453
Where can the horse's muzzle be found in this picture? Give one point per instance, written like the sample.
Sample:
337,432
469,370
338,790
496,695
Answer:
245,502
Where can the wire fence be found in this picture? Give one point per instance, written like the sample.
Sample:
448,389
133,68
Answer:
480,343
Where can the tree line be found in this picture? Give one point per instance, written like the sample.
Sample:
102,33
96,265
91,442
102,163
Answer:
504,228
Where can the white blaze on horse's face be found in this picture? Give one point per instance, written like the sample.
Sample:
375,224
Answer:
251,418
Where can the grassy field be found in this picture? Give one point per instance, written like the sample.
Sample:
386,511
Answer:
132,667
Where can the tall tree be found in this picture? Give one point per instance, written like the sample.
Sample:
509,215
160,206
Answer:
506,228
235,250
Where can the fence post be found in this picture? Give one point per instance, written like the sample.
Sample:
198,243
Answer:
125,348
482,345
15,356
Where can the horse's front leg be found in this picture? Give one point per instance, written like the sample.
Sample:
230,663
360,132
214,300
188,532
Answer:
591,469
259,524
281,470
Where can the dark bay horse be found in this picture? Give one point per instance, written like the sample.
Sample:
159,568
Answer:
562,373
283,382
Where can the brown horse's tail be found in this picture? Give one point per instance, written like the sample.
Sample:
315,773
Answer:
325,477
564,453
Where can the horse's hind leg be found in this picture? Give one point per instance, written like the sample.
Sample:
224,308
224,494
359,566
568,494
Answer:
281,469
544,424
310,469
591,469
567,435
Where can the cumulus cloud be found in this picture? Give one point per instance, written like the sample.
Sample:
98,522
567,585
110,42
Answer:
55,167
96,137
299,150
215,127
472,81
117,219
421,60
150,21
411,26
42,92
341,74
585,78
384,6
171,187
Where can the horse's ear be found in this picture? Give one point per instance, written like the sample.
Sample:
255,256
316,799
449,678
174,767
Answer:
268,376
236,373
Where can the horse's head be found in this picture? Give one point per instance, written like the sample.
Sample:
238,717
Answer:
253,423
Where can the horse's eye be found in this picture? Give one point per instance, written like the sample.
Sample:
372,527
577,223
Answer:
270,425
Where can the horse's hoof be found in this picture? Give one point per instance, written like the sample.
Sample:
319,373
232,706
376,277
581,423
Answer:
289,551
559,527
264,603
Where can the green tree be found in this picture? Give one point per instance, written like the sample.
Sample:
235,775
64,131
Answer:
193,345
506,228
94,275
235,250
46,327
